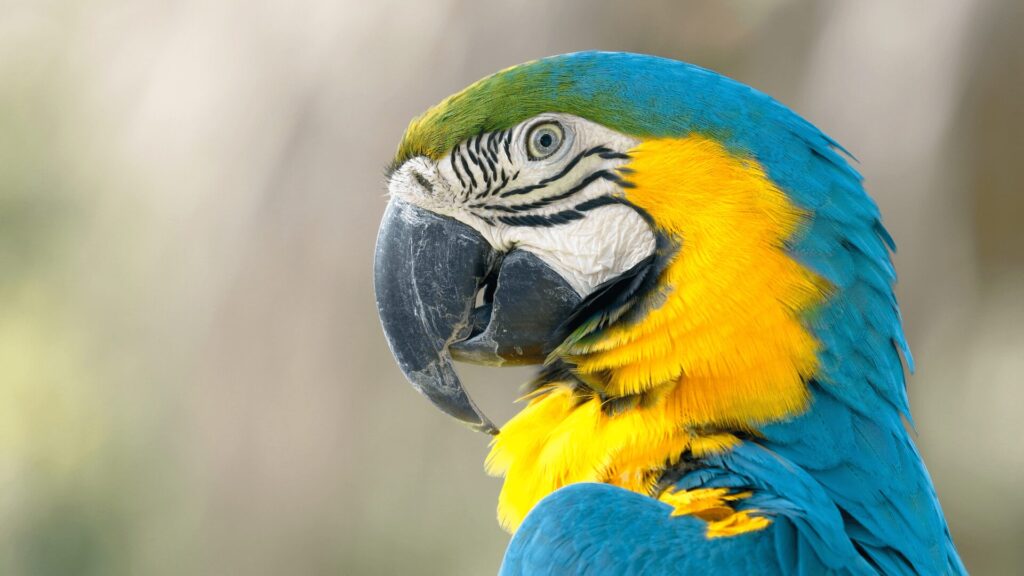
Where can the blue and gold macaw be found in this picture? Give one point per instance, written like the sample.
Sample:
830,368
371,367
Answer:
708,291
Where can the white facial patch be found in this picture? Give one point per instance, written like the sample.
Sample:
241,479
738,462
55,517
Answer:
564,208
587,252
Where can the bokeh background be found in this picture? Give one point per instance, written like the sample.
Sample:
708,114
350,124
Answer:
192,375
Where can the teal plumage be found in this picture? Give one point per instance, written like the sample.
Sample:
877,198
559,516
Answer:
843,483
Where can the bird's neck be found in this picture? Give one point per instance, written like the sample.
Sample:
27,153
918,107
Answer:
718,350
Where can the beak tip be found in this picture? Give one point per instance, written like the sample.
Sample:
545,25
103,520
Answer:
483,425
427,269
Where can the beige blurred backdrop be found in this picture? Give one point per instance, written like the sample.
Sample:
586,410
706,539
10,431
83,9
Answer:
192,375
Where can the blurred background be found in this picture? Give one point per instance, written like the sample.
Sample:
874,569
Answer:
192,375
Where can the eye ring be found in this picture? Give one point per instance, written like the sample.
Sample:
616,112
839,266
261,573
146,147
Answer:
544,139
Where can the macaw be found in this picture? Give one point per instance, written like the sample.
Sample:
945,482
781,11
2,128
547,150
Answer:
708,293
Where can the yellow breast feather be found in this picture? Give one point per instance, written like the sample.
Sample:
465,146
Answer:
721,347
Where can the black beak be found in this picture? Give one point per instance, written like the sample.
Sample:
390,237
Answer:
428,270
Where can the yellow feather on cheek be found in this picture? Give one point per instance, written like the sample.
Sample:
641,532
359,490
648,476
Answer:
722,347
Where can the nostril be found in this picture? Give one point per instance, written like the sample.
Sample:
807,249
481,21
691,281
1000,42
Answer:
422,181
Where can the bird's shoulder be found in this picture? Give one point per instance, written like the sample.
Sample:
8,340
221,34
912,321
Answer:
594,528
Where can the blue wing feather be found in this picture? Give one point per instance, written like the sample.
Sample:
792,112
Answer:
597,529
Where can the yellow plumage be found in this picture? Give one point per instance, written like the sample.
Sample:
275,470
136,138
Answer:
714,505
725,346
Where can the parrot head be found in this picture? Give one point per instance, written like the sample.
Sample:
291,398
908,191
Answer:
673,248
486,252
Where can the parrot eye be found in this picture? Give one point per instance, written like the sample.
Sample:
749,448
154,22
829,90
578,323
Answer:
544,140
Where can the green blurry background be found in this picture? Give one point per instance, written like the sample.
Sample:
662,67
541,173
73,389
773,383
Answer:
192,376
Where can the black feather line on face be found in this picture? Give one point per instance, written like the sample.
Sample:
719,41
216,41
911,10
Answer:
492,149
483,164
465,166
506,140
582,184
561,174
475,159
476,143
455,168
557,218
598,202
504,182
542,220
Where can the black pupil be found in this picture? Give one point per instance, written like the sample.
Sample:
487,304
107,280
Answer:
546,139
